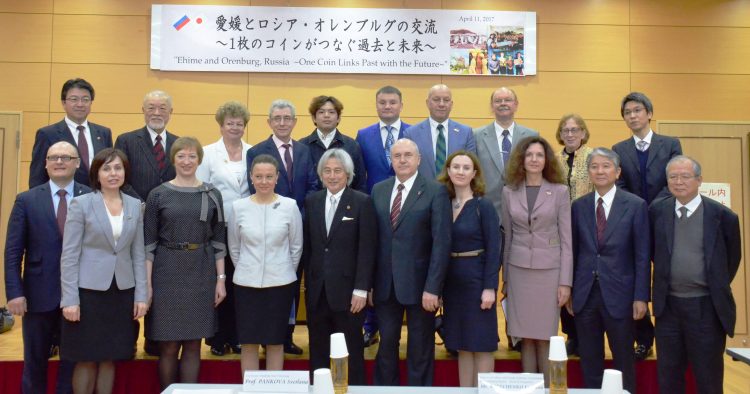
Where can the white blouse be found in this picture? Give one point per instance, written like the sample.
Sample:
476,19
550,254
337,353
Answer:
116,222
265,242
229,177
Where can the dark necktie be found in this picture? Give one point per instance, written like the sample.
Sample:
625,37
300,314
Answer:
83,146
288,163
683,213
389,140
506,147
62,210
440,154
396,207
159,155
601,222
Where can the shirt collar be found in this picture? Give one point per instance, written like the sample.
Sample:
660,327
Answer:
279,142
434,124
326,139
407,183
607,198
73,125
153,134
396,125
337,196
68,188
647,138
691,206
499,129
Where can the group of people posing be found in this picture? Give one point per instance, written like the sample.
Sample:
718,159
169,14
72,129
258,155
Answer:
212,242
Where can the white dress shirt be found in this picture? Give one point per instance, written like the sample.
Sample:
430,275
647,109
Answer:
433,129
499,134
607,199
384,131
280,147
691,206
219,171
73,127
647,138
163,135
404,193
326,139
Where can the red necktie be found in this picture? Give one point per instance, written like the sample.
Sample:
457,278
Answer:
161,157
601,222
288,164
396,207
62,210
83,146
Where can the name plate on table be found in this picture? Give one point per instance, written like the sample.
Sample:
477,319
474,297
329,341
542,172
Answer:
511,383
276,382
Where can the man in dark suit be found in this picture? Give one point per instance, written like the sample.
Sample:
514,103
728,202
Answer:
326,115
148,148
375,142
414,237
297,177
77,97
611,272
644,157
438,136
35,237
696,253
340,233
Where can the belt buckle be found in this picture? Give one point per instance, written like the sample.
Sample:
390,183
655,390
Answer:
189,246
183,245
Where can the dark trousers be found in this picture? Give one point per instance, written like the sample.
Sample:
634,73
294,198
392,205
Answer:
689,331
568,324
321,323
420,346
39,330
371,320
227,334
644,331
591,323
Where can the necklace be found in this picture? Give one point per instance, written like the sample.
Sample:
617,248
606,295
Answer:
457,204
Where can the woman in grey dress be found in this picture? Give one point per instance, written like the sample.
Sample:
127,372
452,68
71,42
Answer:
185,249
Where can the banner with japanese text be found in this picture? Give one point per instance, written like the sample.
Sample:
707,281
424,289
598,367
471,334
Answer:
342,40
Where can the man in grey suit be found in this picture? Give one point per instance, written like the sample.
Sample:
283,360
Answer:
437,136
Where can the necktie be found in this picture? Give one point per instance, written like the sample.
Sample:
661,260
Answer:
288,163
330,213
683,213
83,146
506,147
440,150
601,222
62,210
388,143
396,207
159,155
642,145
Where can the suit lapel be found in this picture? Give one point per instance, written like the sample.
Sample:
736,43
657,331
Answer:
147,148
544,195
426,140
44,198
653,150
128,221
669,218
319,212
414,194
453,135
100,213
590,216
631,155
96,137
270,149
616,213
64,133
490,139
343,207
710,229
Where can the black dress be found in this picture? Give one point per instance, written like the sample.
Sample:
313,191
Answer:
467,326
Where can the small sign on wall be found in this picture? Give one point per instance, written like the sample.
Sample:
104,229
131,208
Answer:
719,192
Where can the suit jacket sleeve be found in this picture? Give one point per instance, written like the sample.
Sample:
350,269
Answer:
471,142
233,237
367,248
306,234
566,234
642,242
491,236
360,173
732,239
440,209
138,254
295,236
127,189
620,182
675,149
71,253
507,229
37,171
15,243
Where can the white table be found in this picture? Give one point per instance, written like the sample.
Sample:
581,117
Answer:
237,388
739,353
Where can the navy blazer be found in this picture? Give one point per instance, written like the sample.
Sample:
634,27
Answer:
342,142
373,153
459,137
101,137
622,262
33,237
144,171
304,180
661,150
722,249
413,255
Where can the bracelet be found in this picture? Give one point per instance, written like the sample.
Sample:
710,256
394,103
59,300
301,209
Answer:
222,276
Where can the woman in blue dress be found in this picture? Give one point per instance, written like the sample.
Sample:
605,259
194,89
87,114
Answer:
471,285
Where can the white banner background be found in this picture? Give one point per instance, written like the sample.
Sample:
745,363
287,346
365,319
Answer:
342,40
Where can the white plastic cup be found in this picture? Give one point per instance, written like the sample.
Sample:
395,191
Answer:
323,384
557,350
612,382
338,345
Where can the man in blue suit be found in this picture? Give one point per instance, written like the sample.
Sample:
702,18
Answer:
77,97
611,280
438,136
376,140
34,242
297,177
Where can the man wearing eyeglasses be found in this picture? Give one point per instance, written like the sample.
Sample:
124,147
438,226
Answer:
77,96
644,157
33,247
696,253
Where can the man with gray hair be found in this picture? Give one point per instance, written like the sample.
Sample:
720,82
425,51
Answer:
340,240
612,271
696,253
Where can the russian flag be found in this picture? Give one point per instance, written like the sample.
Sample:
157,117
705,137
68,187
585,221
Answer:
181,23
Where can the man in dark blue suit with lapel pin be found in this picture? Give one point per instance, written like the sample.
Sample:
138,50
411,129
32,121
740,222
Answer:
414,238
33,246
644,157
297,176
77,97
611,270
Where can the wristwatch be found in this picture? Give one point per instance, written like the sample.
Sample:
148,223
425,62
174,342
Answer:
222,276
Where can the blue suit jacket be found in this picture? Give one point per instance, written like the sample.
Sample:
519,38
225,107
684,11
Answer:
623,262
373,152
101,137
34,238
459,137
304,179
661,150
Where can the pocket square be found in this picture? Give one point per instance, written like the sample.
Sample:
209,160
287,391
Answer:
346,218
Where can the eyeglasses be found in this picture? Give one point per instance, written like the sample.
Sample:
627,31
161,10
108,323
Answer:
636,111
444,100
64,158
280,119
76,100
680,177
572,130
506,100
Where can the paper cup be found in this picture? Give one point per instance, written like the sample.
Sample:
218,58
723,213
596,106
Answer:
557,349
612,382
338,345
323,384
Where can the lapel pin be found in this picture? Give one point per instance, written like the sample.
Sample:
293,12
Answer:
455,130
98,137
419,193
549,193
348,207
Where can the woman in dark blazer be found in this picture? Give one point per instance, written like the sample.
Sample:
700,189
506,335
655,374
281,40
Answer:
103,275
538,255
